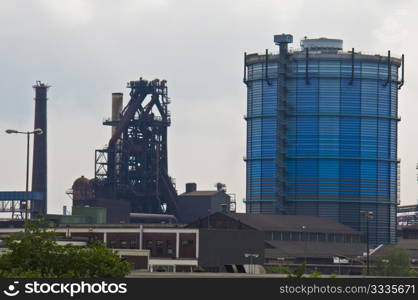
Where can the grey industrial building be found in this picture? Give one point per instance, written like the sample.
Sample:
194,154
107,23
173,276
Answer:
166,247
194,204
291,240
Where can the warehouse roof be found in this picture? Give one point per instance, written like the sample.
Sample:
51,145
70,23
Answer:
200,193
276,222
295,249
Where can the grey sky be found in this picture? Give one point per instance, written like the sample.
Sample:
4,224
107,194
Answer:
88,49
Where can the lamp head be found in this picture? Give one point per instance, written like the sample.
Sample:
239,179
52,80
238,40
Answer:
38,131
10,131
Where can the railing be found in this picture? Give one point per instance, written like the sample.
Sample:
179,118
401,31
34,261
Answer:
300,50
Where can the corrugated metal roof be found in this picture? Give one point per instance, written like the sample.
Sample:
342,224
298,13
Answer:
294,249
275,222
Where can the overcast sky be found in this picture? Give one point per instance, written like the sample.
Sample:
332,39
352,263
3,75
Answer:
87,49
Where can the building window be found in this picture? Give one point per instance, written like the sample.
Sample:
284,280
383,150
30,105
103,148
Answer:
295,236
321,237
170,250
112,244
159,248
123,244
286,236
187,243
133,244
148,245
313,236
339,238
277,236
304,236
331,237
268,235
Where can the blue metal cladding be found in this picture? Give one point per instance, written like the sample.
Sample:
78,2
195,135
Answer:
262,146
16,196
341,151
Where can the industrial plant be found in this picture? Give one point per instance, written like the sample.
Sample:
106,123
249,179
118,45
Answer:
322,171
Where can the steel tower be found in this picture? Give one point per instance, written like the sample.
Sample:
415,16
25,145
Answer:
134,165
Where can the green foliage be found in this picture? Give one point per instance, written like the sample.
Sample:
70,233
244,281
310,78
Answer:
332,275
395,261
36,254
315,274
276,269
413,273
298,272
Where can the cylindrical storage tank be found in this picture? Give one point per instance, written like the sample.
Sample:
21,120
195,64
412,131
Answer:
117,106
336,141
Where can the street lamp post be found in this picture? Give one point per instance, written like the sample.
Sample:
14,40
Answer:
28,133
368,215
251,266
304,233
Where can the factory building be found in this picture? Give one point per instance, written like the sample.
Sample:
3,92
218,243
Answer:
166,247
322,243
194,204
407,215
322,134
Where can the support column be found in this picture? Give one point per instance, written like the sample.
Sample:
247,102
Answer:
141,234
177,245
197,244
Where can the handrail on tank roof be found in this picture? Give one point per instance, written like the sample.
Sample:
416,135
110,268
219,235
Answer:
348,52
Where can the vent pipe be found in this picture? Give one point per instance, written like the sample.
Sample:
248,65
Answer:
117,106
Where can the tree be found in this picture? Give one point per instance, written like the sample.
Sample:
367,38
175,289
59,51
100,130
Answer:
395,261
36,254
298,272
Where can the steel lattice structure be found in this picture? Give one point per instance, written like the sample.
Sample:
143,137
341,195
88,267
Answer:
134,165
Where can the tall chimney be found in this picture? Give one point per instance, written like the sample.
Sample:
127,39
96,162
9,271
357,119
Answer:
191,187
39,168
117,105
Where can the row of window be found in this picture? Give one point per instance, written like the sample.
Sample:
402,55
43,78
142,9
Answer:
123,244
312,236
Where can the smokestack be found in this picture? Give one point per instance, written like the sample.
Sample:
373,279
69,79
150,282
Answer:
191,187
39,168
117,105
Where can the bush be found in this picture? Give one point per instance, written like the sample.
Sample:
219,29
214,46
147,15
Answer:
36,254
395,261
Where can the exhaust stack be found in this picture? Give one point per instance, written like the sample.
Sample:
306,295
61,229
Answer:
117,106
39,168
